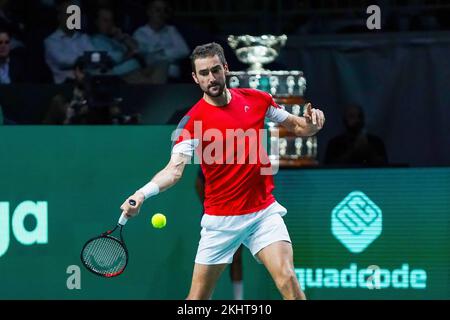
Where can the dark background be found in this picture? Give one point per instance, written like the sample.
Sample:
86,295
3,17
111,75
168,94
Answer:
400,74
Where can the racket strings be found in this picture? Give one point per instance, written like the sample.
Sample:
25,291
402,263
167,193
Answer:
105,256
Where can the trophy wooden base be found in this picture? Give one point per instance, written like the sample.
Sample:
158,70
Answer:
286,150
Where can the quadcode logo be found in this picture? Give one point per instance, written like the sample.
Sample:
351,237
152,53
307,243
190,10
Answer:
356,222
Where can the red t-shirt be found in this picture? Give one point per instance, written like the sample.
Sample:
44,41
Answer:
231,153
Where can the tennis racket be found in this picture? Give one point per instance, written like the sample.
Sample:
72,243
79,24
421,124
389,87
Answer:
106,255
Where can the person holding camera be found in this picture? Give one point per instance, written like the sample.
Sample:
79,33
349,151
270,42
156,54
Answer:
123,50
94,100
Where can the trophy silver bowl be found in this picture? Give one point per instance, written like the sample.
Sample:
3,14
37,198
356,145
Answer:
257,50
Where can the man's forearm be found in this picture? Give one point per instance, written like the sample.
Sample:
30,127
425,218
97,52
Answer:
304,129
130,43
162,181
306,126
166,178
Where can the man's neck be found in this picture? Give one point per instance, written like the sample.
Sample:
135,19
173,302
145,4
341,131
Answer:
354,134
3,60
67,32
219,101
156,26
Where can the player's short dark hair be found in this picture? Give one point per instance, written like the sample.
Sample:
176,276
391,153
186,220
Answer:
207,50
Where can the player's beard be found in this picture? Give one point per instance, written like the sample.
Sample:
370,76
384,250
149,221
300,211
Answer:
216,89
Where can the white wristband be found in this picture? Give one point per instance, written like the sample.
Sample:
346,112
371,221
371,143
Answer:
149,190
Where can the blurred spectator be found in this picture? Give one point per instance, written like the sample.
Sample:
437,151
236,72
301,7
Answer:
120,46
159,41
413,17
123,50
118,7
64,47
59,111
48,3
12,69
4,120
78,110
9,22
68,111
355,146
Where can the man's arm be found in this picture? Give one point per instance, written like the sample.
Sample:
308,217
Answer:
146,45
63,59
179,48
162,181
306,126
57,58
127,40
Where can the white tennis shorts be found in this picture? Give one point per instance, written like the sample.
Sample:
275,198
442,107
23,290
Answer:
221,236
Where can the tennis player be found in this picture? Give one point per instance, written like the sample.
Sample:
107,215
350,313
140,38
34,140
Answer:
239,205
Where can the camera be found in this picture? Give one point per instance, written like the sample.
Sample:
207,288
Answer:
97,96
96,62
100,88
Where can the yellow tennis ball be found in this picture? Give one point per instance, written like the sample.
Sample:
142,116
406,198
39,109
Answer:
159,221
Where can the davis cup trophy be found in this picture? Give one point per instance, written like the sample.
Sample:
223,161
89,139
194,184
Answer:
287,89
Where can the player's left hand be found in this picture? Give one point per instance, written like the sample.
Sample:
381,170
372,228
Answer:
314,117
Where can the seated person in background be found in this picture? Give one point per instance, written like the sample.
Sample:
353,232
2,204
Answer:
160,42
59,111
12,68
4,120
355,146
65,111
123,50
120,46
77,109
64,47
10,22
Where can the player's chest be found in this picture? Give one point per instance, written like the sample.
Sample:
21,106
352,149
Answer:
238,116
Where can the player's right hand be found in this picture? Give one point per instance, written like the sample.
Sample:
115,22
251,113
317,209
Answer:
132,211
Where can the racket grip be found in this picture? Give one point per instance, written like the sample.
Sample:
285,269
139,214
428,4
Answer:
123,219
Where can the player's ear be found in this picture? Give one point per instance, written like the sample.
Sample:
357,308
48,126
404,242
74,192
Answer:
194,76
225,68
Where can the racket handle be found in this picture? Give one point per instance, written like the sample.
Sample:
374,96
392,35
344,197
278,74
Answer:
123,218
